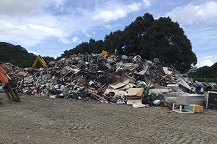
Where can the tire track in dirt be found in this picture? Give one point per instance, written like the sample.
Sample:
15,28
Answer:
70,121
173,129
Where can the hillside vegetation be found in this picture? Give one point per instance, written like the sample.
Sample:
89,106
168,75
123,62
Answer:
17,55
205,73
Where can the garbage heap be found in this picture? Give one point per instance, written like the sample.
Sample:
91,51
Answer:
119,79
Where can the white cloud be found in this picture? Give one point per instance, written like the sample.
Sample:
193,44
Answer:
211,37
59,5
25,7
116,12
11,7
41,28
26,34
193,13
30,23
108,26
208,10
64,40
147,3
75,39
23,22
85,32
207,60
40,23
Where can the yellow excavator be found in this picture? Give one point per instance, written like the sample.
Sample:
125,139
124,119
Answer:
38,59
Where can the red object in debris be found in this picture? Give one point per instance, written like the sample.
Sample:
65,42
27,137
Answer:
162,72
107,95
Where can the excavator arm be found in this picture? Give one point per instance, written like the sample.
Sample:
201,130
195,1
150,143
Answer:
38,59
43,63
9,87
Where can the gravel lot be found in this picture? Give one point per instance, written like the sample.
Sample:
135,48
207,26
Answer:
41,120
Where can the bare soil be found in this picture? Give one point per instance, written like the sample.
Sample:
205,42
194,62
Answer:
42,120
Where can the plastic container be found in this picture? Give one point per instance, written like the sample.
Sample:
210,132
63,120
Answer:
187,107
120,102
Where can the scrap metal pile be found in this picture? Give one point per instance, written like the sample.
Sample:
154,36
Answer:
118,79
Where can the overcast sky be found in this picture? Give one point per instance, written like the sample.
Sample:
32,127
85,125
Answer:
49,27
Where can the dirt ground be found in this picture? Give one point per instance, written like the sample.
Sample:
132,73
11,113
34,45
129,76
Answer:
42,120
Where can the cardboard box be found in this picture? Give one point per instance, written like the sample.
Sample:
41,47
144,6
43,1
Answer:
196,108
135,92
200,109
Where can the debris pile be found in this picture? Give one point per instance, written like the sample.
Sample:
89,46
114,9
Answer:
109,79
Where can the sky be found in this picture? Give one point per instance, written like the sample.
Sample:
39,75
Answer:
49,27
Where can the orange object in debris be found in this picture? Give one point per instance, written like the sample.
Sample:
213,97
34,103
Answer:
3,77
104,53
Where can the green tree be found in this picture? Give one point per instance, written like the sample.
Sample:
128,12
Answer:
99,46
167,41
114,41
135,33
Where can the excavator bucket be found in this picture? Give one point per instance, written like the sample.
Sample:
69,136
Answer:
9,87
11,93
